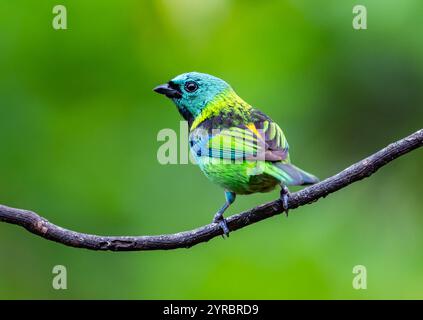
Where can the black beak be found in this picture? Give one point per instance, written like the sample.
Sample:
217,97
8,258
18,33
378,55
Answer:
168,91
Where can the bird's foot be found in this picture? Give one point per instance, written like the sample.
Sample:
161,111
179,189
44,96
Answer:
284,198
218,218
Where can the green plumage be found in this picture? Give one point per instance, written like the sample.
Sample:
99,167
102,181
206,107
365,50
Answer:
238,178
236,146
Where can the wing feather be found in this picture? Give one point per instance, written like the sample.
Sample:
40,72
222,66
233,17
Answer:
258,140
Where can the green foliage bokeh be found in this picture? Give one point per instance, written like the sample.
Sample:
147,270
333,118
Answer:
78,141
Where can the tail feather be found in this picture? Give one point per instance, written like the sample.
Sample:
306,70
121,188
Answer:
289,174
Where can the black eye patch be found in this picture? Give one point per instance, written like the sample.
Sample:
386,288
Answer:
173,85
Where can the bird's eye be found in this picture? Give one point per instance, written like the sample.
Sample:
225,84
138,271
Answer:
191,86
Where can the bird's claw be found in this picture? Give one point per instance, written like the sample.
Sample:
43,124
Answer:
284,198
223,225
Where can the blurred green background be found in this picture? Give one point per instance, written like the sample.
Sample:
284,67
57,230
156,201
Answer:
78,128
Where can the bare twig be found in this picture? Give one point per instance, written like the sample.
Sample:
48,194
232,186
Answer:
43,228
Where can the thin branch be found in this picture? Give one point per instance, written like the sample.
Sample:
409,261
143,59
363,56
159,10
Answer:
43,228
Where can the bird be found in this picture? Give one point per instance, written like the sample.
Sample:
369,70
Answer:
235,145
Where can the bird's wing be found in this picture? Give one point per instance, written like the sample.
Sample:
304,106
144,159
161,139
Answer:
276,145
262,139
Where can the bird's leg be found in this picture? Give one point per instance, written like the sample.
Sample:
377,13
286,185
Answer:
218,217
284,198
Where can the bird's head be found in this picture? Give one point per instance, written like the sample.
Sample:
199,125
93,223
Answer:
192,92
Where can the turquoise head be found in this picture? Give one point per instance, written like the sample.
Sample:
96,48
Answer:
192,92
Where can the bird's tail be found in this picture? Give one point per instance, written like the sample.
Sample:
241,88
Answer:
291,175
